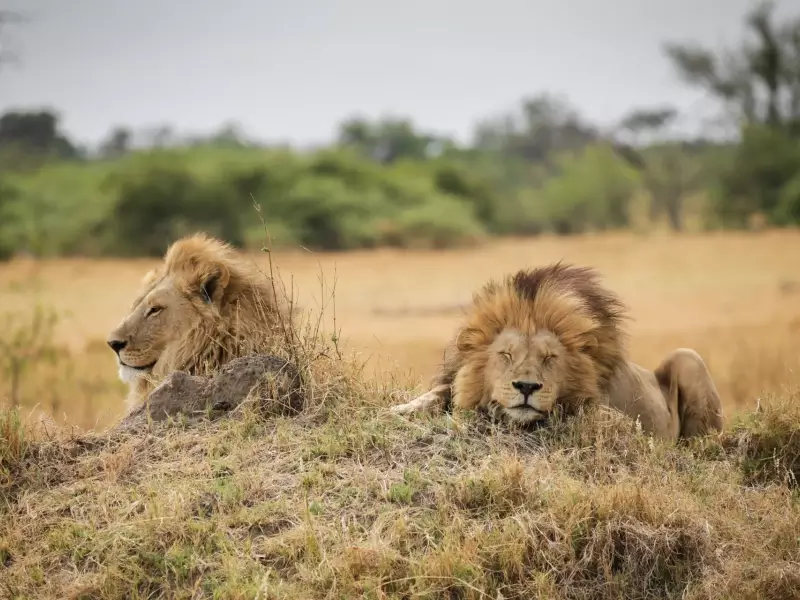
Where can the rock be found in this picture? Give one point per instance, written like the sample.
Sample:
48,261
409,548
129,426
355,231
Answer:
269,380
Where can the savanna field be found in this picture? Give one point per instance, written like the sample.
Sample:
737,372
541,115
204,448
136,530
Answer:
735,297
382,228
349,501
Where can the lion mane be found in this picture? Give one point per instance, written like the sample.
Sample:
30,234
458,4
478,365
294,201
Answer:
203,307
569,302
555,337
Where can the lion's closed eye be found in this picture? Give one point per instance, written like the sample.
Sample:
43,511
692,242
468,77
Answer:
153,310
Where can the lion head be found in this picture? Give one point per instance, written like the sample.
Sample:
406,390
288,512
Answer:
203,307
542,338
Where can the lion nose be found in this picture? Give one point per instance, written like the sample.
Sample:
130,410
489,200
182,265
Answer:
117,345
526,388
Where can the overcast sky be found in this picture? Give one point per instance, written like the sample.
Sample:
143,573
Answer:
292,70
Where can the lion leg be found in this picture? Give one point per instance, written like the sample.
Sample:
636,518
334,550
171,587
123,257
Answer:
432,401
690,393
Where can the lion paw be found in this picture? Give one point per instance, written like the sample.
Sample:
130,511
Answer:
402,409
428,402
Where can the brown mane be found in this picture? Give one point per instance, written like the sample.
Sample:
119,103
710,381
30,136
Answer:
568,301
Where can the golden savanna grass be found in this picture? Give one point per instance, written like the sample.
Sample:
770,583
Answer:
734,297
348,500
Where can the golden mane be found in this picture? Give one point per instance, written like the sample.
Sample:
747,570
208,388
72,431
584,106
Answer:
245,320
235,310
568,301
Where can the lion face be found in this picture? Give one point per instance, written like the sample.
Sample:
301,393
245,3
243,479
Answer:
524,374
203,306
159,319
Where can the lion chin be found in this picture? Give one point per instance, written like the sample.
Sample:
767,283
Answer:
203,307
553,337
131,375
522,414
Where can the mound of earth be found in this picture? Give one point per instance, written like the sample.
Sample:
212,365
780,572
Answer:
272,382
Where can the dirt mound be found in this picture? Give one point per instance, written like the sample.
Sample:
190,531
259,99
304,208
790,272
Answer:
273,383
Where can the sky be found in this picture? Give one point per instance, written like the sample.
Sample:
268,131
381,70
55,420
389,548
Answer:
290,71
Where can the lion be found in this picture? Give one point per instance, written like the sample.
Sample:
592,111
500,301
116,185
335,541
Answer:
203,307
554,337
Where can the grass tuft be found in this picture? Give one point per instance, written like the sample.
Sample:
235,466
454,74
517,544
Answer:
768,442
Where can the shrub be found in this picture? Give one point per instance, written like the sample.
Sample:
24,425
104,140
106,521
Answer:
9,220
159,202
763,164
591,191
442,223
324,214
787,212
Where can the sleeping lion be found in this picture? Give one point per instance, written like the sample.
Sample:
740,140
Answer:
554,337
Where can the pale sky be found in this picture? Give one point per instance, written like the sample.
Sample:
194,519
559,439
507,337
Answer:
292,70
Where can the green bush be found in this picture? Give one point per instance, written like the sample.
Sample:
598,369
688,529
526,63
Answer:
332,199
324,214
444,223
60,209
159,202
592,190
765,162
457,181
787,212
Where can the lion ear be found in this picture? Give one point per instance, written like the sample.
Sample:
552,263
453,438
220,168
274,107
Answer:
468,339
212,284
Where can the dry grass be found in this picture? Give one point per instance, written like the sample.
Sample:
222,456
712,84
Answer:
355,502
348,500
734,297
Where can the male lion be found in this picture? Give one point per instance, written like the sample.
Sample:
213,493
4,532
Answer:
199,310
553,336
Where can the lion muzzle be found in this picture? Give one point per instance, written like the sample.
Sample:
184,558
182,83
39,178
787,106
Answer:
526,388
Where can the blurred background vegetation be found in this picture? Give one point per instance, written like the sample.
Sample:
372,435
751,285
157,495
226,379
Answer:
543,168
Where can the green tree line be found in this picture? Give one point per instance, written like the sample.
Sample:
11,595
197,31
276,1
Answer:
385,182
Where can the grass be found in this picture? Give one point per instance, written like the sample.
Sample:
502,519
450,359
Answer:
348,500
355,502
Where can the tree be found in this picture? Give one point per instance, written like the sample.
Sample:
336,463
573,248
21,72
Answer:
590,190
229,135
759,80
389,139
543,126
763,168
117,144
650,120
35,134
668,170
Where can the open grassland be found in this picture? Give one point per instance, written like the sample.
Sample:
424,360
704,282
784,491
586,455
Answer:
735,297
348,500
